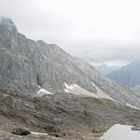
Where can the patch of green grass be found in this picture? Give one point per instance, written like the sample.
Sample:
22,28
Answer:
114,105
108,104
95,101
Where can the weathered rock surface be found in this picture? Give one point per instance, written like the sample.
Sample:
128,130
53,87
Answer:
61,116
27,65
136,90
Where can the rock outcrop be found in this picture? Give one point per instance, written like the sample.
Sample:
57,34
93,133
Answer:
21,131
27,65
136,89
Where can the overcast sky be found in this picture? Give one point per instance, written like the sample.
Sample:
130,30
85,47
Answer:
96,30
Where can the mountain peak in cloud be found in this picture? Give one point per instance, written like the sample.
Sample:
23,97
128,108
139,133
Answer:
7,24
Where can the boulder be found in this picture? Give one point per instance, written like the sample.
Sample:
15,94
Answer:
21,131
136,128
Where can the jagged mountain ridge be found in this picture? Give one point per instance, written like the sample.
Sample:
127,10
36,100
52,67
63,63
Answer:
39,61
28,65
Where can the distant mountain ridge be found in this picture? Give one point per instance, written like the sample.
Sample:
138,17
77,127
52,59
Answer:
104,69
129,74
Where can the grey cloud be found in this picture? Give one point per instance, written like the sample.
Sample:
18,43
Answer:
125,52
51,27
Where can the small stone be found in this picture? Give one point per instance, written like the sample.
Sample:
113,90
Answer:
51,128
21,131
54,134
135,128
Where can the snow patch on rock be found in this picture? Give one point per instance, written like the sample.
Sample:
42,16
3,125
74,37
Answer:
37,133
77,90
42,92
94,85
129,105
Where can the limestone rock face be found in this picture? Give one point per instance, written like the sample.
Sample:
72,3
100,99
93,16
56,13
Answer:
27,66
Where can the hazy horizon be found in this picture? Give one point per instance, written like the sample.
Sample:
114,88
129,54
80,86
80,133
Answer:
98,31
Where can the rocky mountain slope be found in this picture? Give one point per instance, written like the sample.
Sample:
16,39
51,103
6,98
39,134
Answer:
136,90
60,116
129,74
27,66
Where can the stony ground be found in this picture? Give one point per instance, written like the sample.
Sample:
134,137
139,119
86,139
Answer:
61,116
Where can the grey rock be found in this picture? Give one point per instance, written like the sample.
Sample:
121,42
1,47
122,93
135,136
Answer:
28,64
136,88
135,128
21,131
